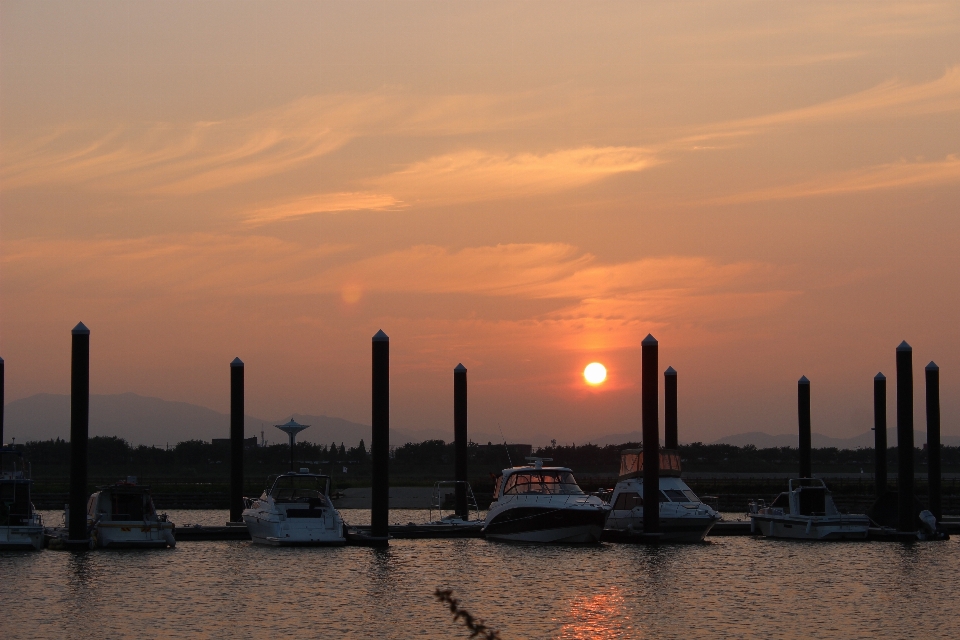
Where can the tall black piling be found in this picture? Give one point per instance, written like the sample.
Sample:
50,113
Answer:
2,384
906,518
880,433
932,372
236,440
460,439
380,440
79,429
803,415
670,408
649,378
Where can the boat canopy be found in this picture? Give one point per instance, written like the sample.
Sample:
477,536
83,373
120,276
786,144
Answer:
294,486
631,463
541,481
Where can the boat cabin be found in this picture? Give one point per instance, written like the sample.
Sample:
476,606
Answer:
805,497
122,502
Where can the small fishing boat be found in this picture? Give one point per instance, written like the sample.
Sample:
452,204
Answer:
443,504
683,516
533,503
295,511
21,527
806,511
122,515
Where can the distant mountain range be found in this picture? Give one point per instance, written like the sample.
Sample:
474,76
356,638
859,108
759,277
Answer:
818,440
763,440
153,421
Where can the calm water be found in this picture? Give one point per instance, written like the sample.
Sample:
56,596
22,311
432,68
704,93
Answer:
729,587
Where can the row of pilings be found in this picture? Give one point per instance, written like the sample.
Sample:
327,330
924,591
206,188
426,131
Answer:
380,441
906,499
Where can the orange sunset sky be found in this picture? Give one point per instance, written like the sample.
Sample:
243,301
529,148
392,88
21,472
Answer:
771,189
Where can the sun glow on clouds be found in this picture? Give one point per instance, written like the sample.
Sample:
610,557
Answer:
583,305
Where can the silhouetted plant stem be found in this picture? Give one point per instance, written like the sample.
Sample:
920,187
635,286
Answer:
475,625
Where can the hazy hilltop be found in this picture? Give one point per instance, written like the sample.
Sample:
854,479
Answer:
154,421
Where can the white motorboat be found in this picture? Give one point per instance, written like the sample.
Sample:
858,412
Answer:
21,527
534,503
122,515
683,516
295,511
806,512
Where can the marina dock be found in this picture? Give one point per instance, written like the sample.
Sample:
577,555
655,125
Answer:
198,533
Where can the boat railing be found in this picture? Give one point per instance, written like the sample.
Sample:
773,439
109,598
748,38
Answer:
816,483
437,501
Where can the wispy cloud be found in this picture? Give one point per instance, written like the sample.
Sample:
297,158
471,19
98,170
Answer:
177,159
475,175
471,175
890,99
322,203
896,175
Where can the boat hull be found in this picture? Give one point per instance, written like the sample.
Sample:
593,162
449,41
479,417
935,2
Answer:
811,527
546,524
292,532
685,529
133,535
22,537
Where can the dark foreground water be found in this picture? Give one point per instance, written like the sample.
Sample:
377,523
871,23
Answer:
733,587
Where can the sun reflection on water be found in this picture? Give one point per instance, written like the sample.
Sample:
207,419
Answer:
598,616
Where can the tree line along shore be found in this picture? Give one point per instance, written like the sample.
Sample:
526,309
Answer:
196,473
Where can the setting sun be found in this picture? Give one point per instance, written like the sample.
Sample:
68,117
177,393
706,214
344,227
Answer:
595,373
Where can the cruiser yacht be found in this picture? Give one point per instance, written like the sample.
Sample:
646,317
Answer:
806,511
683,516
122,515
295,511
21,527
534,503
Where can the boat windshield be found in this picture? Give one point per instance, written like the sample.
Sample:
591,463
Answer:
294,487
680,495
547,482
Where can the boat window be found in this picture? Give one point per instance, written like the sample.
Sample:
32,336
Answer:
628,500
691,496
812,501
546,482
127,506
297,487
676,495
496,487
